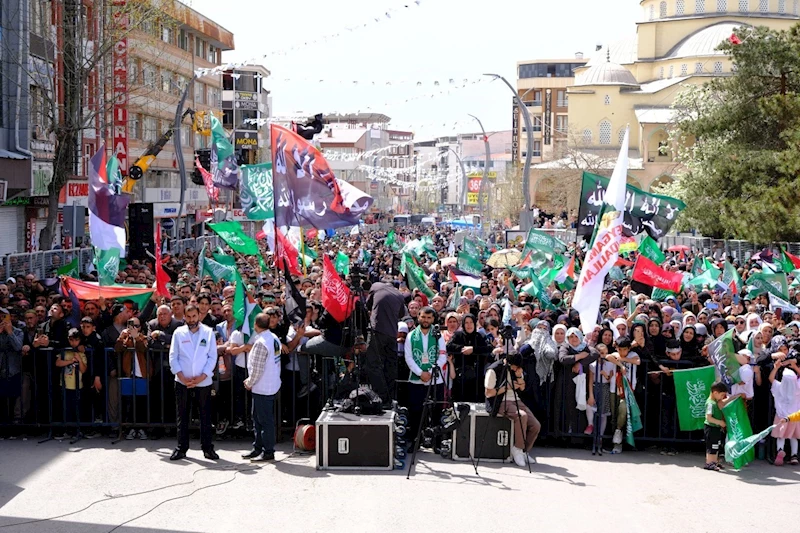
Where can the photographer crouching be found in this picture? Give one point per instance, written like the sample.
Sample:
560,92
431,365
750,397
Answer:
509,405
424,348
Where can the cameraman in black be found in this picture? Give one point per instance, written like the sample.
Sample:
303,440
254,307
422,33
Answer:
424,348
509,405
386,306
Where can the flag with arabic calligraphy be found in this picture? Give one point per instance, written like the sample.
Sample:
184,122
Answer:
306,192
644,212
255,191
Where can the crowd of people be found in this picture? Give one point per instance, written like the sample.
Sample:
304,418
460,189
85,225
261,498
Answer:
64,362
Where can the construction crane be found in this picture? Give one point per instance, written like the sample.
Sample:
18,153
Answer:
137,170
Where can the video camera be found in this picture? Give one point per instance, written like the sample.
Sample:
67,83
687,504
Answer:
452,418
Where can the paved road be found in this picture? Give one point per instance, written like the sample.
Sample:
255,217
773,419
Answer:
568,489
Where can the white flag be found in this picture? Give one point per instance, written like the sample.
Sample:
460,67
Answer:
776,302
605,248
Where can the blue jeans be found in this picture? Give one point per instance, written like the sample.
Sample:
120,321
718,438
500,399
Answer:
264,423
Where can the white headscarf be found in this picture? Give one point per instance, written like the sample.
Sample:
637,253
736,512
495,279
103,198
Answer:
556,328
575,331
749,316
616,323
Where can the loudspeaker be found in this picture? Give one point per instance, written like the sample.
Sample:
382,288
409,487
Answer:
140,231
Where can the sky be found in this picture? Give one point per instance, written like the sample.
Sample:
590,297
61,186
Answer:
396,60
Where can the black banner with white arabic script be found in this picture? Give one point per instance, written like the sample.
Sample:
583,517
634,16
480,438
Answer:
653,213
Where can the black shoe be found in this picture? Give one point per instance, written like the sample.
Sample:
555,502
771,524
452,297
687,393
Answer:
263,458
177,455
251,454
210,455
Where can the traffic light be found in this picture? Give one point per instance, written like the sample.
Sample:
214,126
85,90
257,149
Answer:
204,156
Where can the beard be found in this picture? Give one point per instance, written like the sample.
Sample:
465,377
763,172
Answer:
192,325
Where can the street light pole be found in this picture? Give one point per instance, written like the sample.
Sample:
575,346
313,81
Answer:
481,201
525,219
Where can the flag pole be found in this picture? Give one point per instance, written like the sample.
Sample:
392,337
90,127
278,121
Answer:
303,252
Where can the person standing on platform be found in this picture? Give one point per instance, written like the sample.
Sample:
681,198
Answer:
387,306
192,358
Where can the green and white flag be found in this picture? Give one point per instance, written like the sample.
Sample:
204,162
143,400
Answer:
776,302
692,389
738,449
731,278
235,237
774,283
416,279
255,191
649,248
535,289
342,263
469,264
239,298
71,269
634,416
722,353
221,267
738,430
107,264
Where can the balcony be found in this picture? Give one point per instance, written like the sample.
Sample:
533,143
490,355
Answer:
656,156
562,103
534,103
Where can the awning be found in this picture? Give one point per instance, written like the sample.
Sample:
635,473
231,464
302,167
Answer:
5,154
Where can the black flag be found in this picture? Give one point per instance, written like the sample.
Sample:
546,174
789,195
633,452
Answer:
295,304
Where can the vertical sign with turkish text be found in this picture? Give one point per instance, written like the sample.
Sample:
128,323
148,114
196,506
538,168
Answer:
120,86
514,133
548,109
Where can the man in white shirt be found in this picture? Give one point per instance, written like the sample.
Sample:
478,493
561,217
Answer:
264,367
192,358
422,351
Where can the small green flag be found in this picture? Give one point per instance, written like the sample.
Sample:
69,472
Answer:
775,282
634,422
220,138
692,389
71,269
235,237
342,263
738,449
731,275
659,295
469,264
738,429
631,304
221,267
722,353
649,248
535,289
391,241
415,277
107,263
238,301
706,279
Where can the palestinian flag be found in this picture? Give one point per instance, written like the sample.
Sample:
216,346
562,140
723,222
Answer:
107,209
788,261
464,279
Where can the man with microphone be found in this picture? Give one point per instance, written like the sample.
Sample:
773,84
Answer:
192,358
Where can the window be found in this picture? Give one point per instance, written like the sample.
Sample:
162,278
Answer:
607,99
537,148
781,6
537,98
39,114
199,92
212,54
183,40
698,68
763,6
670,71
620,136
166,81
181,83
561,98
214,97
743,6
684,69
700,6
133,71
587,136
40,16
537,123
661,73
150,133
722,6
227,119
149,73
662,10
652,11
562,123
135,126
717,67
679,7
167,34
797,7
199,47
605,132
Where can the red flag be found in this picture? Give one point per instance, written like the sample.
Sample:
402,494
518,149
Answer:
734,39
335,294
623,263
311,233
208,180
287,251
648,273
162,278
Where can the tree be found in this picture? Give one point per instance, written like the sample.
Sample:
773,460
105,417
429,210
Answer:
73,80
738,138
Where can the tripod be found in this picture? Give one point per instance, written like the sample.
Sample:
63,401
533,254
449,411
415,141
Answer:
427,404
349,331
504,370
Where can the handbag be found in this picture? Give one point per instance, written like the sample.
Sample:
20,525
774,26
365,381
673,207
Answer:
580,391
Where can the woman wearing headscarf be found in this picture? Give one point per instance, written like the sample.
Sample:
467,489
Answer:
620,328
559,335
642,346
752,321
606,336
690,350
470,351
451,326
656,338
574,358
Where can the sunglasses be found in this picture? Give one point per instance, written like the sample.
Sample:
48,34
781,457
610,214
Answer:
740,322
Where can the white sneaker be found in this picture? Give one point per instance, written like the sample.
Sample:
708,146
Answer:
142,435
617,439
518,456
131,435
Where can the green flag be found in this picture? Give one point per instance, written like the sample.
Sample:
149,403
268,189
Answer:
535,289
722,353
634,422
775,282
473,247
238,301
731,276
71,269
738,449
616,273
251,310
512,289
659,295
631,304
342,263
238,240
221,267
706,279
649,248
525,272
709,266
469,264
220,138
391,240
738,429
697,267
255,191
692,389
548,276
415,277
107,264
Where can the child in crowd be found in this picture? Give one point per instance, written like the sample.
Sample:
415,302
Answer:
601,374
73,364
786,392
625,364
714,430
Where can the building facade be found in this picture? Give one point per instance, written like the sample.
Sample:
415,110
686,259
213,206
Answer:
246,106
635,81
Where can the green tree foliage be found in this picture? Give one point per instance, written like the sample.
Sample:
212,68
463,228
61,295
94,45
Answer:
739,139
